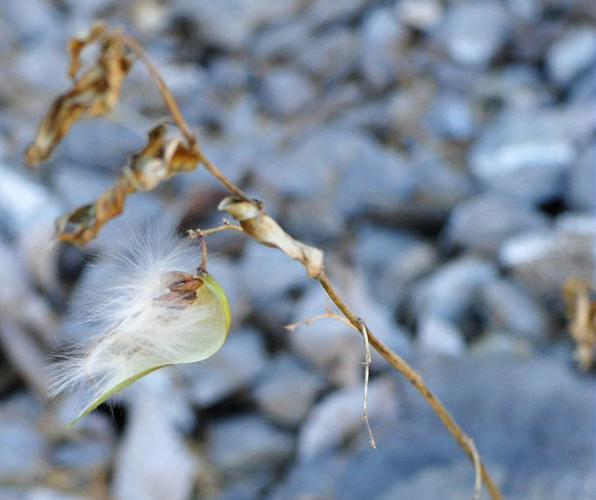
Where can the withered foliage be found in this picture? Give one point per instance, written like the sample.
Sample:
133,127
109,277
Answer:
159,160
581,313
267,231
93,94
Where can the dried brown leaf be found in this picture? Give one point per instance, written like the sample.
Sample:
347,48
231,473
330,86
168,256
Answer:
581,313
158,161
93,94
268,232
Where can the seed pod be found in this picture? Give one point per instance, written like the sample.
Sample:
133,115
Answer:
143,309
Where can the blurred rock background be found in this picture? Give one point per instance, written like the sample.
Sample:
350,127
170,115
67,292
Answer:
442,154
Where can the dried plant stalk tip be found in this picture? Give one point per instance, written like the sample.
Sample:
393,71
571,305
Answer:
267,231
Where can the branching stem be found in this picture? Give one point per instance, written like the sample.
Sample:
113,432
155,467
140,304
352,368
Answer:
464,441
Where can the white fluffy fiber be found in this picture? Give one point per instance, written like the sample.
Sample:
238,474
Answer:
124,330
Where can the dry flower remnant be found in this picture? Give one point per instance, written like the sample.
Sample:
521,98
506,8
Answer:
142,308
94,94
160,159
581,314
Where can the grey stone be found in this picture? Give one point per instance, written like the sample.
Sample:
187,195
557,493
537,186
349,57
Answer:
544,261
450,482
509,307
549,415
451,290
436,335
583,88
287,392
246,487
315,478
392,261
339,416
22,451
77,186
100,145
228,75
153,460
32,21
342,166
380,45
474,32
239,445
323,12
42,493
435,188
86,456
525,154
25,202
581,190
281,42
268,273
484,222
286,92
498,344
525,10
36,70
571,54
516,87
452,117
420,14
331,55
230,24
234,367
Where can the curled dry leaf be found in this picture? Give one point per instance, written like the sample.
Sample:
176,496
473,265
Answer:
581,313
266,231
93,94
159,160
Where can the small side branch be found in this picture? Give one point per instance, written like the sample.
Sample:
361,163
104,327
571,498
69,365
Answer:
366,364
367,361
402,366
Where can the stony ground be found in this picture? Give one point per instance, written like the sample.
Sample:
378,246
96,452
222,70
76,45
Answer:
441,153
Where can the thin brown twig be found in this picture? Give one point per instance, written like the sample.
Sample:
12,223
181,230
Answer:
417,381
393,358
367,362
165,92
328,315
178,118
221,177
226,226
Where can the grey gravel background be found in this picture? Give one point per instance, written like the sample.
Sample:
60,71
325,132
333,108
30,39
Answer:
441,153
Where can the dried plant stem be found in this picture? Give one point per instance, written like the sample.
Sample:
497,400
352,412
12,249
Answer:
220,176
416,380
195,234
393,358
367,362
174,110
165,92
